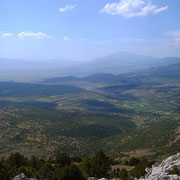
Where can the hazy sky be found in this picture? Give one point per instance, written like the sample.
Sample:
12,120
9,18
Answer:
84,29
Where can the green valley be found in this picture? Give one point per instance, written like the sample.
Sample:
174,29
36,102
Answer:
119,114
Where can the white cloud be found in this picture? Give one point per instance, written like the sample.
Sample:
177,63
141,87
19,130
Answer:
132,8
29,34
66,38
6,35
67,8
175,35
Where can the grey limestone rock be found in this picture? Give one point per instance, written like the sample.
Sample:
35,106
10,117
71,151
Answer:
161,171
22,177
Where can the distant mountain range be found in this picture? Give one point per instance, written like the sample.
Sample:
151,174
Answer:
168,71
122,62
118,63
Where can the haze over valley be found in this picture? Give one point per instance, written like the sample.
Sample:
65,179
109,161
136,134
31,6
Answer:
118,63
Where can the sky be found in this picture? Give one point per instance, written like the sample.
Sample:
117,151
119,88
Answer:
86,29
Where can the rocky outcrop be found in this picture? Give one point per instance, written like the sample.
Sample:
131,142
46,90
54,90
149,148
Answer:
161,171
23,177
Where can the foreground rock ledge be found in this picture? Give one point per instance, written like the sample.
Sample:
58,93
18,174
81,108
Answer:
160,172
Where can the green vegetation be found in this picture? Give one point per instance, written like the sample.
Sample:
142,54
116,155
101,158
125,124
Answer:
12,89
175,170
123,174
38,131
97,166
63,167
121,114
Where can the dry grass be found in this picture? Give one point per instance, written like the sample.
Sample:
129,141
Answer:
139,153
128,168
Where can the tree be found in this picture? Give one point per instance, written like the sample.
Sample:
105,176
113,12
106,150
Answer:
102,164
3,172
138,171
70,172
76,159
62,160
98,166
123,175
16,160
115,173
46,171
133,161
87,167
36,163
